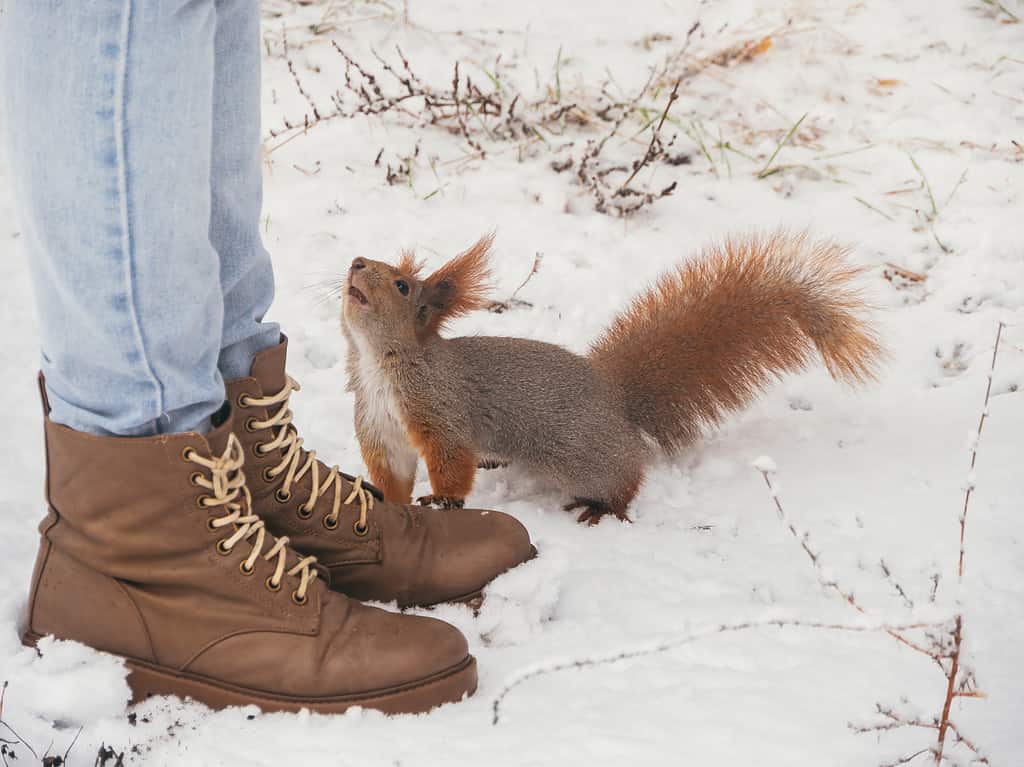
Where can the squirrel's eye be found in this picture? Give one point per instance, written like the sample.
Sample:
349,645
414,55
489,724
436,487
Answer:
403,287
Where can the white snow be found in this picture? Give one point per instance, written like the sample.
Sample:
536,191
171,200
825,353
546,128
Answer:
870,475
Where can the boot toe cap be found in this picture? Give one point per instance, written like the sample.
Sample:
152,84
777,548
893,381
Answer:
441,556
505,542
400,649
485,544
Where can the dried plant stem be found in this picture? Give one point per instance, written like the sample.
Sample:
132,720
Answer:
512,301
999,6
946,650
954,669
956,188
892,269
895,584
655,138
906,759
673,643
974,451
953,676
924,182
869,206
18,739
846,595
485,118
765,171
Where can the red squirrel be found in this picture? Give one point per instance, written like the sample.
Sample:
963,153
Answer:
704,340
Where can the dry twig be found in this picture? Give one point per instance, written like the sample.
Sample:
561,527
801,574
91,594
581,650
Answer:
594,171
503,306
944,648
958,684
665,645
484,116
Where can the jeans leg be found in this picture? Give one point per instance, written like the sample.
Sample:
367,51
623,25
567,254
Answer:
109,124
236,185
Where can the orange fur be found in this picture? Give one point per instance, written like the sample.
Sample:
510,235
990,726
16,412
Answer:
460,286
395,489
713,333
409,265
451,468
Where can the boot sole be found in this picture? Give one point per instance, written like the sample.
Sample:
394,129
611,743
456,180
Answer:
147,680
474,600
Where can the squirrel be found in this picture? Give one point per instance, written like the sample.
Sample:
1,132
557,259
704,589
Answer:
704,340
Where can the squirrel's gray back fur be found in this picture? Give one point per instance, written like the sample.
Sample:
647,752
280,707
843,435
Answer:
531,403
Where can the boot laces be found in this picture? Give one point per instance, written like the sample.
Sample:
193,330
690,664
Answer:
297,462
228,492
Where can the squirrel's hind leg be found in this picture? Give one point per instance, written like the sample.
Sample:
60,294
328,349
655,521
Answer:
594,510
616,503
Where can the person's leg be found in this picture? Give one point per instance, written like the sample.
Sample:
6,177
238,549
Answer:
151,550
236,185
109,123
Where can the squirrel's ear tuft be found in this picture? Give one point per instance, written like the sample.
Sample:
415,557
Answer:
409,265
459,287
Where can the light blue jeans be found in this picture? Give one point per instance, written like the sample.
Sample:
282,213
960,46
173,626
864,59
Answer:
133,140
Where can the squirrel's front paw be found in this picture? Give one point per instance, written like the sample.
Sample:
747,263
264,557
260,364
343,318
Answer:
441,502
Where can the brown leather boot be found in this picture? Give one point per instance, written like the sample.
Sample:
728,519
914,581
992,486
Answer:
373,550
150,551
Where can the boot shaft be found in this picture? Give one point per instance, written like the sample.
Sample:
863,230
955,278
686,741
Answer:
127,530
129,506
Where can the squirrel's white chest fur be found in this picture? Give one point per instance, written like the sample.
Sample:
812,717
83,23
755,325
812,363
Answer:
380,414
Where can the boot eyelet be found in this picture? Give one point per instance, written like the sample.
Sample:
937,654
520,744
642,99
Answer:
201,502
268,474
211,526
269,583
222,548
258,451
246,570
360,530
249,427
243,401
300,601
282,496
187,454
303,512
194,479
331,523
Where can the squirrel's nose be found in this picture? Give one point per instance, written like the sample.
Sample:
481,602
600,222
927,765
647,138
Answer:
358,263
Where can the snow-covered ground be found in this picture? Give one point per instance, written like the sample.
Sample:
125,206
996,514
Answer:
894,93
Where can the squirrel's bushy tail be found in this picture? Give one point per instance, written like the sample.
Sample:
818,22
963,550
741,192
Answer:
713,333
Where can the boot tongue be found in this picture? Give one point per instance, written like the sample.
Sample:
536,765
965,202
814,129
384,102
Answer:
268,367
217,437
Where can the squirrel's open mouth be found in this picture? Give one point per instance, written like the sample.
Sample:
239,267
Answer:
357,294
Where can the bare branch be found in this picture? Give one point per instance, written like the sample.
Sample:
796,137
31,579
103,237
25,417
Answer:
974,451
503,306
831,583
895,584
670,644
